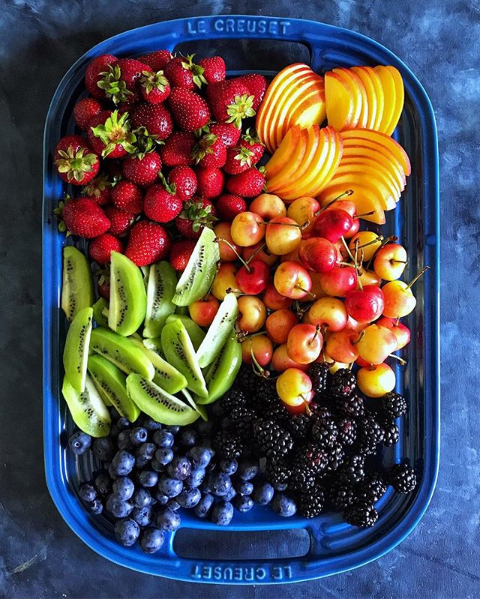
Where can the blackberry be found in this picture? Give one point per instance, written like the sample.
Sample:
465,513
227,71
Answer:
312,503
394,405
273,441
341,494
402,478
347,431
324,431
363,515
391,434
320,411
342,383
318,374
371,488
228,445
302,480
299,426
265,393
369,435
246,380
351,407
277,412
336,456
241,420
233,398
277,472
309,461
352,469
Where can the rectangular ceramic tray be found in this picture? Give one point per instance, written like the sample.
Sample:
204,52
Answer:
260,42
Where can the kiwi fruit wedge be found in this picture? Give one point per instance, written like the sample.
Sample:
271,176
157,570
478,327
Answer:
195,332
218,331
162,281
87,408
100,309
200,409
77,282
128,298
75,354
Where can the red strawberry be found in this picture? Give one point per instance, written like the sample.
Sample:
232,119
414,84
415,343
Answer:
229,205
190,110
154,87
248,153
157,119
120,80
230,101
183,72
127,196
178,149
257,85
84,110
101,247
195,215
180,253
148,243
156,60
142,171
184,179
161,204
210,182
99,190
82,217
76,163
247,184
227,132
103,282
213,68
120,221
110,135
210,151
94,71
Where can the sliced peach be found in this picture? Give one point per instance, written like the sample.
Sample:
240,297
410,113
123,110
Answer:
358,83
355,177
312,110
288,172
377,84
365,199
283,153
388,85
364,145
339,102
370,91
354,92
385,171
385,158
389,191
337,150
399,98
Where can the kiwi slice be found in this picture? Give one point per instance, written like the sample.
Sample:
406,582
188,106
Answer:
196,333
218,331
158,403
87,408
77,282
183,310
99,309
200,271
178,351
128,298
75,354
162,281
221,374
112,383
200,409
122,352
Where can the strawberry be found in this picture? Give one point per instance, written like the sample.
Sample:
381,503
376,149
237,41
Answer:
148,243
120,221
213,68
110,135
229,205
210,182
184,179
76,163
230,101
178,149
156,119
99,190
103,282
196,213
156,60
84,110
210,151
180,253
247,184
142,171
82,217
127,196
154,87
248,153
94,71
161,203
183,72
257,85
101,247
120,80
227,132
190,110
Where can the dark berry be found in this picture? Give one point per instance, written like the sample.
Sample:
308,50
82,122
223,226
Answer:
371,488
299,426
170,487
104,448
188,437
180,467
402,478
318,374
87,493
311,504
243,487
341,494
247,469
222,513
273,441
118,508
391,433
233,398
362,515
189,497
164,455
351,407
324,431
127,532
277,473
352,469
142,515
161,499
173,504
220,483
123,423
148,478
103,483
124,440
196,477
141,498
263,493
168,520
173,429
204,505
199,456
230,494
151,425
79,442
96,507
123,488
342,383
229,466
123,462
147,451
228,445
393,405
283,505
155,465
243,503
347,431
138,435
152,540
163,438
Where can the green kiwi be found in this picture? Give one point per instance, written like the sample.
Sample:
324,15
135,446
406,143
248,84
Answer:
158,403
112,383
200,409
128,298
182,310
196,333
99,307
218,331
75,354
87,408
200,271
162,281
121,352
77,282
178,351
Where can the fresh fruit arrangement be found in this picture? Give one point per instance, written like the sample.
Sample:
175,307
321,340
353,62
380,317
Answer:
232,328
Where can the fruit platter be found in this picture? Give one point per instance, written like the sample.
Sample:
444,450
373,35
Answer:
240,298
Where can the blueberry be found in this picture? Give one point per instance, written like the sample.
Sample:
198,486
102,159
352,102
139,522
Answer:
138,435
152,540
169,486
141,498
196,477
283,505
123,462
220,483
155,465
114,431
247,469
96,507
124,441
87,493
112,473
205,486
123,488
151,425
123,423
243,487
280,487
114,415
212,465
161,499
79,442
127,532
180,467
104,448
204,505
263,493
102,483
228,466
189,497
222,513
118,508
142,515
230,494
141,462
147,450
164,455
188,437
163,438
173,429
243,503
199,456
173,504
167,520
148,478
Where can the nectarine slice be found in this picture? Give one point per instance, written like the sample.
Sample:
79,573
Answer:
388,85
384,140
382,156
364,144
355,93
399,99
358,84
311,110
283,153
365,199
372,161
381,179
336,153
288,171
370,91
377,84
339,102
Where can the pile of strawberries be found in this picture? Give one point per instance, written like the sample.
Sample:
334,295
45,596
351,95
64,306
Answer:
161,154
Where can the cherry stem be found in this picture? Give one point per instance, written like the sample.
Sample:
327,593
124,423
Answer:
397,322
384,242
232,290
260,370
401,360
393,261
267,222
354,260
305,402
317,331
226,242
365,214
347,193
309,293
376,240
413,281
362,333
259,249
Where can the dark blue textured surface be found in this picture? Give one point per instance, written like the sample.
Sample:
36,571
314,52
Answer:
39,555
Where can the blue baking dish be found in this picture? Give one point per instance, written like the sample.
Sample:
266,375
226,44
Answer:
265,44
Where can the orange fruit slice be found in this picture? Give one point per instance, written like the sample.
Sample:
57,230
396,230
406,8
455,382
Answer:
282,155
370,91
399,99
339,102
389,91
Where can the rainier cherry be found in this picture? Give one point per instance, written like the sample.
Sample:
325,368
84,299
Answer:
259,251
260,346
367,243
253,278
339,281
304,343
279,324
376,344
203,311
399,299
328,312
341,346
274,300
281,361
247,229
365,305
228,249
376,381
224,279
390,261
333,224
303,211
318,253
401,332
252,314
292,280
283,235
268,206
294,387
